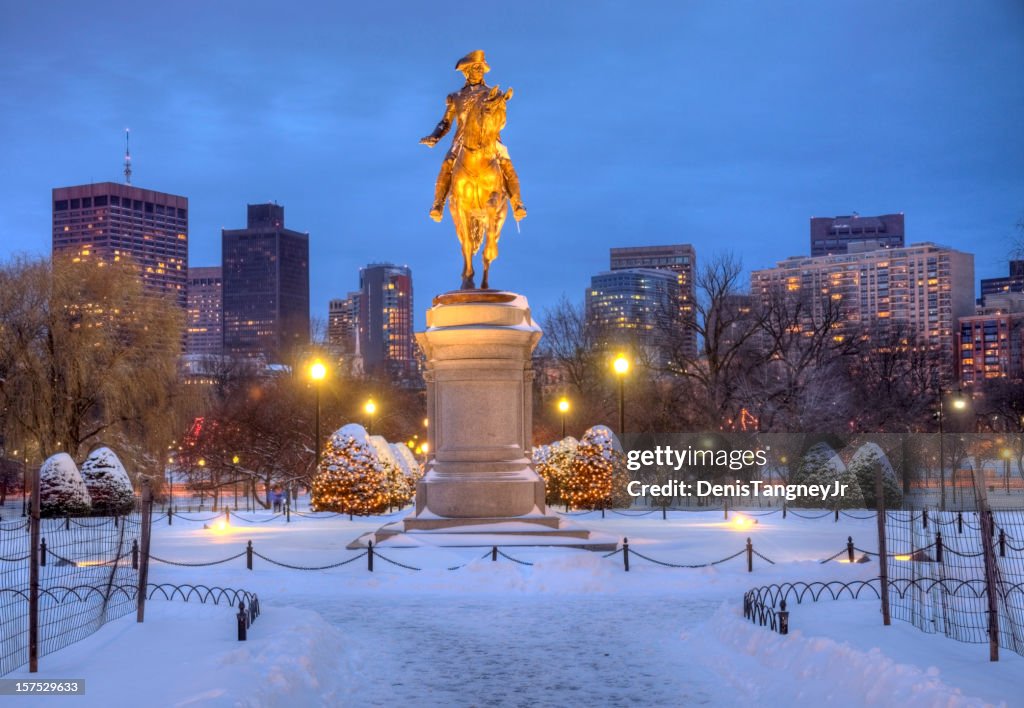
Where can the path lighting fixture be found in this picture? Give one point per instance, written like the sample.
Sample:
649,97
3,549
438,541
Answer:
621,367
563,408
370,408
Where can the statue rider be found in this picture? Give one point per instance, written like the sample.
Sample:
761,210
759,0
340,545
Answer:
473,66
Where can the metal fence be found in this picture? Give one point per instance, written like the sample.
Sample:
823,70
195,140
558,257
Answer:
87,576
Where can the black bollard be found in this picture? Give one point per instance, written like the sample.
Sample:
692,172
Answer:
837,514
924,517
42,552
938,546
135,554
625,553
783,508
1002,543
783,618
750,555
248,555
369,556
849,548
663,515
243,621
494,553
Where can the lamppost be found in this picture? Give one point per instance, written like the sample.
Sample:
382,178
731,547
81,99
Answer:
317,372
563,408
959,404
621,367
1007,453
369,408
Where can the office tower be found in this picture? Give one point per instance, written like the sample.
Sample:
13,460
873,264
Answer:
343,323
386,320
924,287
990,343
1012,283
834,234
635,307
203,335
680,259
266,287
110,222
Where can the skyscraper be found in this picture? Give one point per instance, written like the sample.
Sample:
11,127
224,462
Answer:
832,235
634,307
991,341
266,286
203,333
109,222
386,320
680,259
923,287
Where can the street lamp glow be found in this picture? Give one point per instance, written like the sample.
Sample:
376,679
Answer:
563,405
202,462
317,371
959,404
425,447
621,365
370,407
234,460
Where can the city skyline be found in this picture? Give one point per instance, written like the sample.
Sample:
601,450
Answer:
725,129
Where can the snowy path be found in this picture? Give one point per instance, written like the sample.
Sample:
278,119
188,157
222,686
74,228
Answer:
553,651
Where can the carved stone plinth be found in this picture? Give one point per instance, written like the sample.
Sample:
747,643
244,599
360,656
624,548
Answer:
479,480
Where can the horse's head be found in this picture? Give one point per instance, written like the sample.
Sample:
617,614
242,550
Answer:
487,118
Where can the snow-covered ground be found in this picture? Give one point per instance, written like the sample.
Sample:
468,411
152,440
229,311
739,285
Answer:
572,629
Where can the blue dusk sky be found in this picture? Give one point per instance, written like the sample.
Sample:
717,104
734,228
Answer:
722,124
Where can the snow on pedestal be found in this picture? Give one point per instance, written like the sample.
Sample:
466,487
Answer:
107,481
62,492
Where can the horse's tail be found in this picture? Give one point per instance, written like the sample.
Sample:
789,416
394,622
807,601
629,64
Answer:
478,229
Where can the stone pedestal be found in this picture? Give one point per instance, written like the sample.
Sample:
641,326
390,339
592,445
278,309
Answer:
479,480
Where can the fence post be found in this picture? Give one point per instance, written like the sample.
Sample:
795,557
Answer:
42,552
242,621
33,578
985,519
924,516
725,508
849,548
783,618
663,514
115,520
288,512
960,522
494,553
144,524
248,555
227,515
783,508
938,546
170,513
135,554
883,556
992,523
602,512
750,556
369,556
67,523
837,513
625,553
1002,543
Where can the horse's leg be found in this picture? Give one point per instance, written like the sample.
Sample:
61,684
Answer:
466,241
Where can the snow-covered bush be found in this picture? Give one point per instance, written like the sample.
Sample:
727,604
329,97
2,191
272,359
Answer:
553,463
863,465
822,466
597,476
351,478
108,484
61,489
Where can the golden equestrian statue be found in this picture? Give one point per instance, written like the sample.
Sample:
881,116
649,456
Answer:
477,177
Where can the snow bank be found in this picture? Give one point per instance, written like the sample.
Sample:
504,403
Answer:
813,669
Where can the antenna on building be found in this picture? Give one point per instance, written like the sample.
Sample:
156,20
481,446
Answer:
127,158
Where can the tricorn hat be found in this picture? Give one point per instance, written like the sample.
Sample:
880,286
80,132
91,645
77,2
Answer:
474,57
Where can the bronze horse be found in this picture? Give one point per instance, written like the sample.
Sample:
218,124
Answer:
478,201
